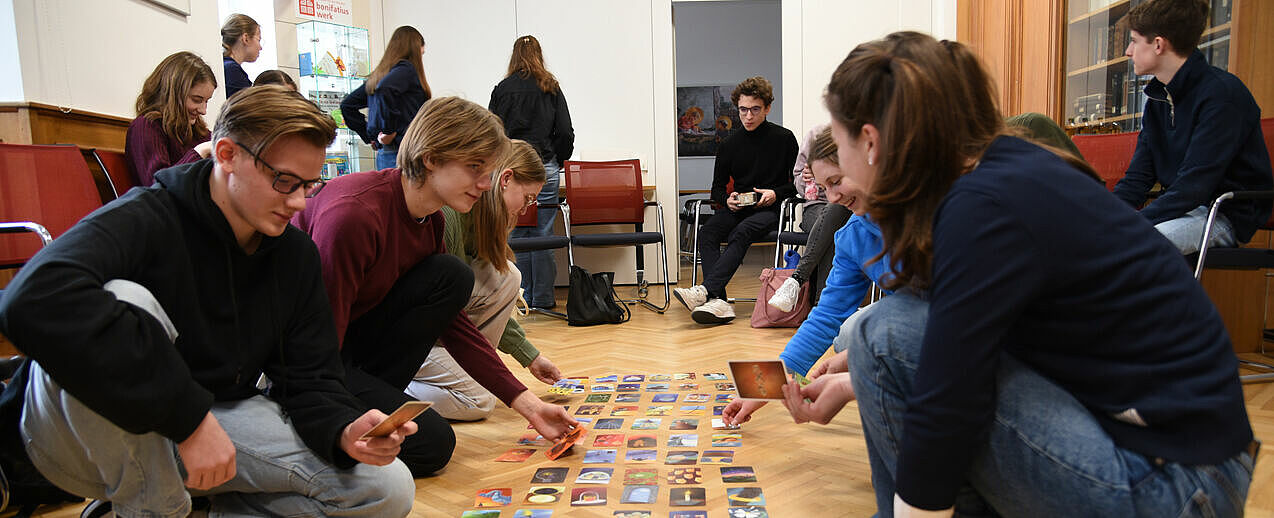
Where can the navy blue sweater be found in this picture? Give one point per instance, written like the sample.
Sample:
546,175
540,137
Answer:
390,108
1201,137
236,78
1034,259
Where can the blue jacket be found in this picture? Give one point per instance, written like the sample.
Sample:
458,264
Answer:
1033,259
1201,137
856,243
390,108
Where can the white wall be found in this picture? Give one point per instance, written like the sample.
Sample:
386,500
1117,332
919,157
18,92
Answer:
723,43
10,61
95,55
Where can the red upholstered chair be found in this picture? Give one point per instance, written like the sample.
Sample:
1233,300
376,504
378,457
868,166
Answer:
118,172
610,193
48,186
1108,154
1242,258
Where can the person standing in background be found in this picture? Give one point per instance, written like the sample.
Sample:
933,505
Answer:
240,43
169,128
530,102
393,93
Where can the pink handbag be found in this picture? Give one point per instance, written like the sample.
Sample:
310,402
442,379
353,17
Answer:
765,315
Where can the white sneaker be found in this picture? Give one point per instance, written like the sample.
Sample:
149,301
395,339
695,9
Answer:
691,297
715,311
784,298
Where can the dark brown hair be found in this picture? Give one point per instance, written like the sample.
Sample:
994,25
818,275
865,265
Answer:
823,147
274,77
1181,22
404,44
163,95
527,60
756,86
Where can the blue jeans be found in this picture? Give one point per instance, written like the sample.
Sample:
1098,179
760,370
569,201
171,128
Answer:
539,268
1045,454
276,474
1186,231
387,157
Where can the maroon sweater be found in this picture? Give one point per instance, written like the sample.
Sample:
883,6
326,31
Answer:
148,149
367,239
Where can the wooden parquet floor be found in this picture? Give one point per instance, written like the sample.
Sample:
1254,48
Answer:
803,470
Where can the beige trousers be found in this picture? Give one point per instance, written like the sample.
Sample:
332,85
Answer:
454,393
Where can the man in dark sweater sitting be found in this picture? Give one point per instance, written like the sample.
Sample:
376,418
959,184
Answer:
1201,134
759,161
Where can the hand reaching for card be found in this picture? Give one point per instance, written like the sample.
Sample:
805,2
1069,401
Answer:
740,411
837,363
377,451
819,401
550,420
544,370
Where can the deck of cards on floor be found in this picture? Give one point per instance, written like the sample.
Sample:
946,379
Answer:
648,445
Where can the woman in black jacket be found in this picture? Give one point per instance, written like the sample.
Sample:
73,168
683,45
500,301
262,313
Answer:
533,108
393,93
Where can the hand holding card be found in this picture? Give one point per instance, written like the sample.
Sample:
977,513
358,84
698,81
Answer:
406,412
759,379
565,442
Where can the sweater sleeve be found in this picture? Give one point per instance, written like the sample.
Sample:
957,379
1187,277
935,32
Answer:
472,352
111,355
147,150
976,295
563,137
721,171
1140,176
351,110
514,343
785,188
846,285
1215,141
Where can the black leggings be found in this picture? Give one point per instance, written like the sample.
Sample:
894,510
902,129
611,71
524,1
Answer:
385,347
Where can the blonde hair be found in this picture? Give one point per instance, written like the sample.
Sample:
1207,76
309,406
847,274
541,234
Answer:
404,44
527,60
491,221
235,27
163,95
256,117
447,129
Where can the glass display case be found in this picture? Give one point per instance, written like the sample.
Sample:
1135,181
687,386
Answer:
1102,93
334,60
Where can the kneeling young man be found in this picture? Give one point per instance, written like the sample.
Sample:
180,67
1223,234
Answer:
149,322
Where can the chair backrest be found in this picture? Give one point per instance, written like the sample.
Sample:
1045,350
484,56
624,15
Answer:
529,218
117,170
1108,154
50,185
605,192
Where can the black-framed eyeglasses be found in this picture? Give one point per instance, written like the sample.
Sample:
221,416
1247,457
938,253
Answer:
288,183
754,110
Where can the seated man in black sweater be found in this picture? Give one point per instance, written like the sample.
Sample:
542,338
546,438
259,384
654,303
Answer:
759,160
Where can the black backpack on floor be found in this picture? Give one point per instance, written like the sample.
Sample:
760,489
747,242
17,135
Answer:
591,299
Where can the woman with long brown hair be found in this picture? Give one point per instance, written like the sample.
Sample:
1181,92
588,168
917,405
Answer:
240,43
1047,353
481,239
169,128
392,94
530,102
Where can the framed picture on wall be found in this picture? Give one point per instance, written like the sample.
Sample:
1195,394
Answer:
705,117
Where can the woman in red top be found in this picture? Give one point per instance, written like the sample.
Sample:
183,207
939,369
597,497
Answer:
169,128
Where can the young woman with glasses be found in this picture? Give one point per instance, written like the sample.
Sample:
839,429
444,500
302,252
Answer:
394,290
481,239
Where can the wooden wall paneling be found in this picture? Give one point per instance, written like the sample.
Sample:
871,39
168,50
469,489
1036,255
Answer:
1251,45
36,123
1020,42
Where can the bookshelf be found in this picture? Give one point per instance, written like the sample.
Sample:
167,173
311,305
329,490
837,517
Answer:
1101,93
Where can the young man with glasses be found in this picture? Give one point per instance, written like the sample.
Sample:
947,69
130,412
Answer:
759,161
149,323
